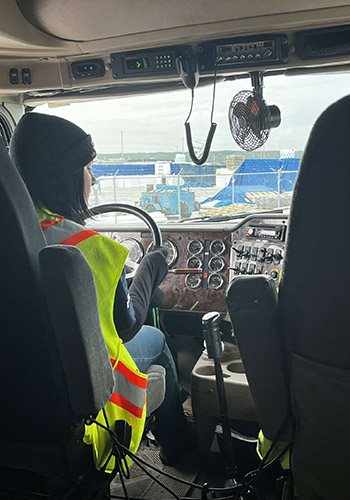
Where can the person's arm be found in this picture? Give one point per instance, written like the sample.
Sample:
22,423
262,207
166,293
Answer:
131,306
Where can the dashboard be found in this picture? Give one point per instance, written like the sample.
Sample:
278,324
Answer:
204,259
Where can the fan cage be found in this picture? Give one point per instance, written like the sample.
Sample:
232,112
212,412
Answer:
249,118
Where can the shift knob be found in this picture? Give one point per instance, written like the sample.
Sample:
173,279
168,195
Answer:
211,331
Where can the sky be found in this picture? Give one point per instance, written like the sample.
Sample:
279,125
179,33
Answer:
155,122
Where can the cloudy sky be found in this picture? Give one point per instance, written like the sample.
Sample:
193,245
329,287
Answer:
155,122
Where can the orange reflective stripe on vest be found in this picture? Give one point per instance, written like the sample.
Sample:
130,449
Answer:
65,232
130,388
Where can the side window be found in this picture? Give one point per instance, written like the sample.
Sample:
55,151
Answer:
7,125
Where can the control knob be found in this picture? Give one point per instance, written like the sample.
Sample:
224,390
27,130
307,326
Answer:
274,273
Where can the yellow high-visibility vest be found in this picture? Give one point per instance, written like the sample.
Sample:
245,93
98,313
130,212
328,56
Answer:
128,401
264,445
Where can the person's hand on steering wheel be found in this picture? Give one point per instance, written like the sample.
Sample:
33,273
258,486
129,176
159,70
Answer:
155,261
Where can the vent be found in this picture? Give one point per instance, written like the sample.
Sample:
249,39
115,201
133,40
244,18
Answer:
323,43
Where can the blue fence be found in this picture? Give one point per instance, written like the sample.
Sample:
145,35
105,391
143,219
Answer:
204,174
258,175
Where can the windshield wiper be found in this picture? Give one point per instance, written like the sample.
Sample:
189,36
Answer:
222,218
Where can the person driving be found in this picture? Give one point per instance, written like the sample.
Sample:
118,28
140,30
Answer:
54,158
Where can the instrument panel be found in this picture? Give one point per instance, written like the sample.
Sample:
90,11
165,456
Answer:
202,263
205,254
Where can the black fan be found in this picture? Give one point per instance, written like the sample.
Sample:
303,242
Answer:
251,119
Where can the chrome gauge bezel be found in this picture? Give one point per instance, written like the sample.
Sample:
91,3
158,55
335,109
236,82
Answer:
222,264
215,287
199,251
223,247
192,258
168,244
113,236
198,284
137,246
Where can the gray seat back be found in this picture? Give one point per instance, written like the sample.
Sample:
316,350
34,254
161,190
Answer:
314,308
313,316
54,365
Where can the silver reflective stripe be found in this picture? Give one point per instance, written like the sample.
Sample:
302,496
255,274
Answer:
61,231
128,390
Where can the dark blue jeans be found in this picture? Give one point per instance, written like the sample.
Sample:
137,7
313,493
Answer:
147,348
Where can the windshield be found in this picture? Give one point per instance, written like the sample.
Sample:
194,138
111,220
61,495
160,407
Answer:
143,158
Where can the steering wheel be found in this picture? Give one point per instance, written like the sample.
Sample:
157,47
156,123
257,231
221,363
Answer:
141,214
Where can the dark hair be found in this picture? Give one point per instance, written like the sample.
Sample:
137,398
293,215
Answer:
65,198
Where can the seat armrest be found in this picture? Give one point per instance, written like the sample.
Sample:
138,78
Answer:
155,388
71,299
253,306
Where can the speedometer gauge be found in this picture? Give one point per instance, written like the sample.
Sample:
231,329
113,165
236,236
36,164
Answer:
135,249
172,252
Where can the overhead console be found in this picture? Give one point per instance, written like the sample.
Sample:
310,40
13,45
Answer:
247,52
147,62
243,52
108,71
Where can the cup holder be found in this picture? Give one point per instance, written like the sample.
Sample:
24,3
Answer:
208,370
236,367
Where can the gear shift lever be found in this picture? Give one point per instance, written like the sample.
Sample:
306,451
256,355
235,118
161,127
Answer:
210,325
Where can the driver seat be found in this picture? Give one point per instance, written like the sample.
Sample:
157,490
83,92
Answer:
55,367
295,345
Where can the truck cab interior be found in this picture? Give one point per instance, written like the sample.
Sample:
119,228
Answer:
222,132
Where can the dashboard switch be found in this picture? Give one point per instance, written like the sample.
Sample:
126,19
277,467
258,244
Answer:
268,257
240,249
237,267
14,76
246,253
251,269
261,254
243,269
26,76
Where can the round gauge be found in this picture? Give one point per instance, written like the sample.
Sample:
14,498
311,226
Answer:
215,281
193,281
216,264
217,247
194,262
135,249
195,247
172,252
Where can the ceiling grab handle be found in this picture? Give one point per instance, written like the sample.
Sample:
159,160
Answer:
187,67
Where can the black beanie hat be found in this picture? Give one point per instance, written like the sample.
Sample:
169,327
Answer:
47,149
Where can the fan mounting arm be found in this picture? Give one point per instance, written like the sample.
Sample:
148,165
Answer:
257,81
